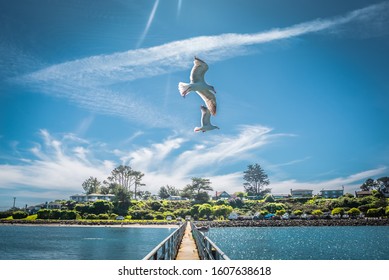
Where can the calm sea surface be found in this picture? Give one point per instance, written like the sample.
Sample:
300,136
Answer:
78,243
265,243
303,243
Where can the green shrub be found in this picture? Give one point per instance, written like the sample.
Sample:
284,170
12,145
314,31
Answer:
32,217
354,212
155,205
103,216
138,214
221,210
5,214
159,216
55,214
113,216
19,214
317,212
43,214
280,212
68,215
91,216
273,207
375,212
337,211
148,216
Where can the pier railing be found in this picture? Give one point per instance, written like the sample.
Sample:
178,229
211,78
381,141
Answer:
168,248
206,248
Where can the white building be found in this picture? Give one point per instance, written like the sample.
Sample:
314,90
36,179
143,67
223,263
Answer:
92,197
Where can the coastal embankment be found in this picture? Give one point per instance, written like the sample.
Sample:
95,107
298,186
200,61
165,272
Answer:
88,223
295,223
226,223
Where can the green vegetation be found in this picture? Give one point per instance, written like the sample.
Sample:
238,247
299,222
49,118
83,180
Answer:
132,204
159,210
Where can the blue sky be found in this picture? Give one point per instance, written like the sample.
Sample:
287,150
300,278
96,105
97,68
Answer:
302,89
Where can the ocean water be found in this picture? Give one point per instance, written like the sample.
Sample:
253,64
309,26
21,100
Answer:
303,243
78,243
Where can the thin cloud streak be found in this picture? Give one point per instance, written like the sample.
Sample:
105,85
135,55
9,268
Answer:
179,5
149,22
88,81
141,63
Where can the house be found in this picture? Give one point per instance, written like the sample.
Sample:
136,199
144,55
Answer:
332,193
34,209
176,197
280,195
54,205
300,193
362,193
92,197
221,195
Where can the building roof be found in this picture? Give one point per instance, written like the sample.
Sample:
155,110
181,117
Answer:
220,193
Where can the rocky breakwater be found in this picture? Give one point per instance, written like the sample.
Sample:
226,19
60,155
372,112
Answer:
295,223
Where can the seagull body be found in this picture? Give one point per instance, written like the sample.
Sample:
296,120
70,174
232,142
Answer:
205,121
198,84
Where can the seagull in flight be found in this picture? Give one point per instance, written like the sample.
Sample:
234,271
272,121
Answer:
198,84
205,121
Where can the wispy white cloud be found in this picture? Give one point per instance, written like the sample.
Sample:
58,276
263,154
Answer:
60,164
178,159
88,81
56,164
292,162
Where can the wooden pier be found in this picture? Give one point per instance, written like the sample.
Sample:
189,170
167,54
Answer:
186,243
188,249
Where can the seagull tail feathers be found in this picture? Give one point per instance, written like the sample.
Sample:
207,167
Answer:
184,89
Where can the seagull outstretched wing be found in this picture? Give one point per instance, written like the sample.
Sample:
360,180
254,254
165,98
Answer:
198,71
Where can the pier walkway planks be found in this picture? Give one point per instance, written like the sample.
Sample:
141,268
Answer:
188,249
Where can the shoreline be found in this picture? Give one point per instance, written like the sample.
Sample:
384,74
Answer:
215,224
86,224
295,223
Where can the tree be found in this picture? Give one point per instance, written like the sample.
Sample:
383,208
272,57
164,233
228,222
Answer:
369,184
91,185
122,199
197,189
200,185
202,197
102,207
256,179
125,176
383,185
166,191
137,184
